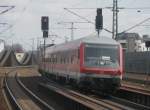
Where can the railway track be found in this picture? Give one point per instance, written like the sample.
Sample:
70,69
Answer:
134,94
20,97
135,89
121,103
79,101
93,102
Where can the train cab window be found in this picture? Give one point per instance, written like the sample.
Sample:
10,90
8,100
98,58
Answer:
101,56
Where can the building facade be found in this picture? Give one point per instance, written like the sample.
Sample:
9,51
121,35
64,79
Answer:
131,42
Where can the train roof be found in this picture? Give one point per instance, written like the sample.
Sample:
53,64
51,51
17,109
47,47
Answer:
93,39
98,40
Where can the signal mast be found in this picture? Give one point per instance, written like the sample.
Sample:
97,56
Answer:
99,21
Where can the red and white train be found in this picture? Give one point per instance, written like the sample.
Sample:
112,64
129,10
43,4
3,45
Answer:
91,62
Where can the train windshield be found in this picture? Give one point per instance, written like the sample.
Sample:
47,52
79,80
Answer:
101,56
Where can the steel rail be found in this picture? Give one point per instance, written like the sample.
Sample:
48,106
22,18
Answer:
131,104
99,102
135,89
119,103
14,101
44,104
11,96
87,101
112,103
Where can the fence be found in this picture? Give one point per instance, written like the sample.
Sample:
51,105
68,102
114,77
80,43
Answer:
137,62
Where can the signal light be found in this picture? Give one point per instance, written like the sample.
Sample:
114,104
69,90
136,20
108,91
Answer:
44,23
99,19
147,43
99,11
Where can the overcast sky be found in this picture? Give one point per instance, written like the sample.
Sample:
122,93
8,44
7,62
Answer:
25,18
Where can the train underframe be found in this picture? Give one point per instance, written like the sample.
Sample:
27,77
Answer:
103,85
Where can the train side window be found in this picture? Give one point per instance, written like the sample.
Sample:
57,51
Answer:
64,60
68,60
56,60
53,60
60,59
72,59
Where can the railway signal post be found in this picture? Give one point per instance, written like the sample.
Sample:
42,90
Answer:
45,28
115,19
99,20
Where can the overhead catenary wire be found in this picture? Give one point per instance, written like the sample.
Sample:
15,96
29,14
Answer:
22,12
126,8
136,25
6,10
3,23
10,26
85,19
70,28
2,12
55,36
93,8
79,16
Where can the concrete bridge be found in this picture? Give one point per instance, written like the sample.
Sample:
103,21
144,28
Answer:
8,59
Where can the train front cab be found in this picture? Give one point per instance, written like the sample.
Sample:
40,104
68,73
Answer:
100,67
